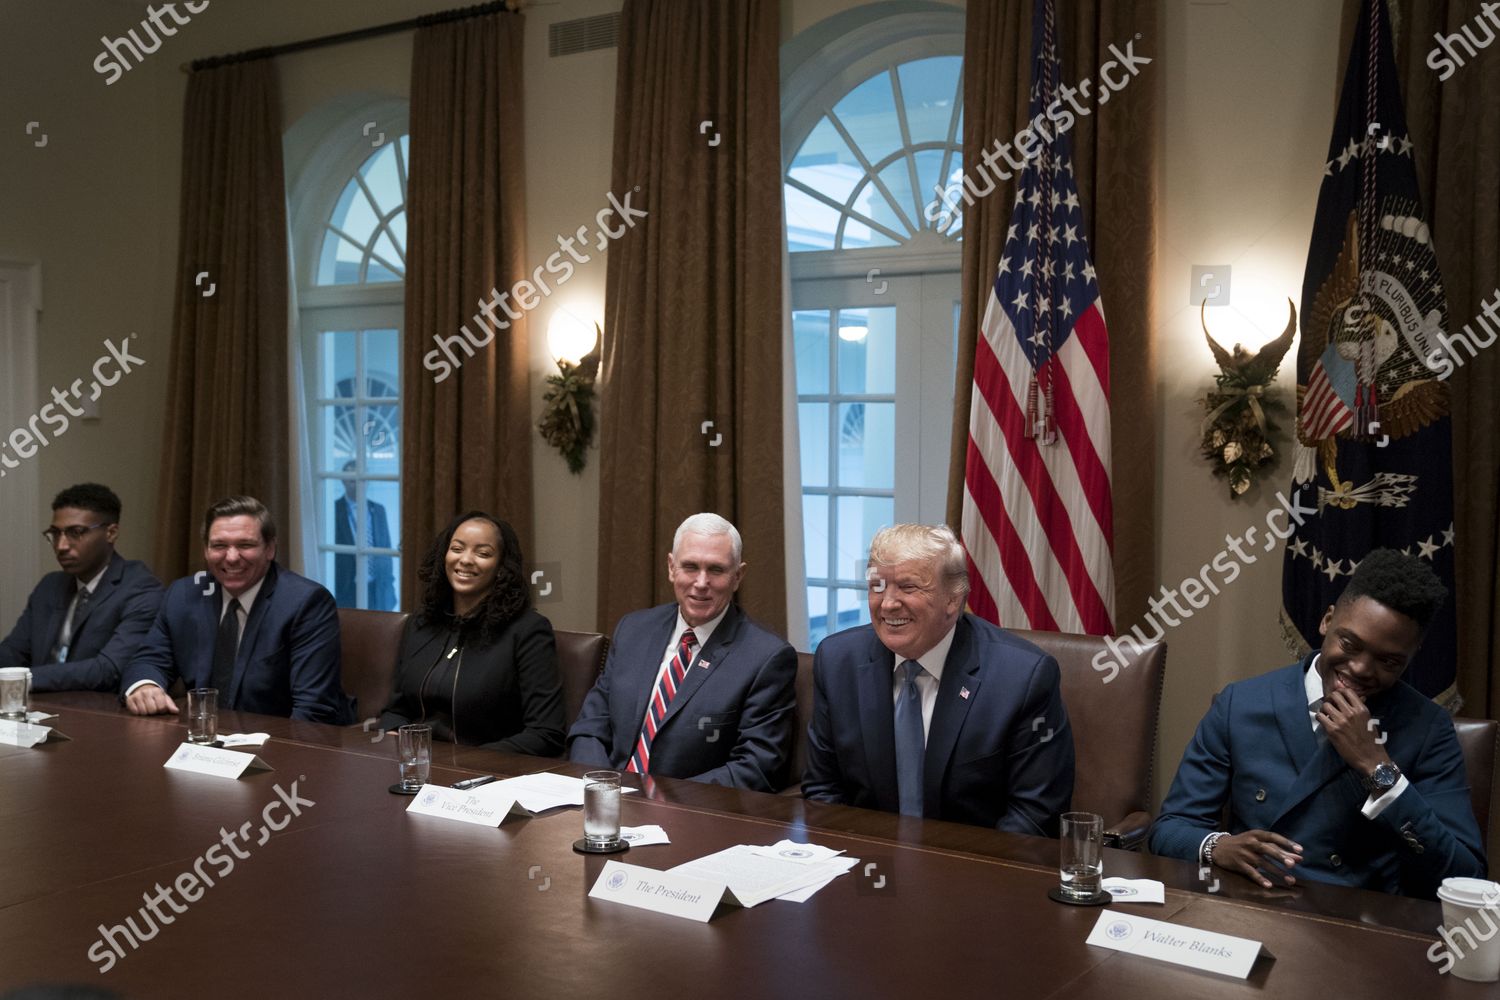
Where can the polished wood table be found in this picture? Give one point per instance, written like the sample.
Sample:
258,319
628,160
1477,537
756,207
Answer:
353,897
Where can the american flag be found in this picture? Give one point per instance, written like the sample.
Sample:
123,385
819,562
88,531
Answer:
1037,513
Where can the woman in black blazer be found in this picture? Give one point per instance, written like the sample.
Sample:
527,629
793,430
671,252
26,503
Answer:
478,663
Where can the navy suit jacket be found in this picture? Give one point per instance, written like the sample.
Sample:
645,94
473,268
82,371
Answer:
381,592
105,636
989,760
731,721
288,660
1256,750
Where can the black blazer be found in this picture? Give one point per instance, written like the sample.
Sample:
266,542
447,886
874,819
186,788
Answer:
105,637
504,695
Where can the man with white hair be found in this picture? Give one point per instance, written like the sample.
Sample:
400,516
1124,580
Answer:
930,711
694,689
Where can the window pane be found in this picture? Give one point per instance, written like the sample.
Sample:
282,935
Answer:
380,175
853,608
867,446
810,339
810,224
929,176
812,426
867,351
825,164
817,615
382,363
873,205
336,363
381,431
868,112
815,535
897,179
858,520
339,436
338,264
928,89
358,220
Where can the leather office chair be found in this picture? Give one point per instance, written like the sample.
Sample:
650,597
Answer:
580,658
1480,742
371,642
804,687
1114,729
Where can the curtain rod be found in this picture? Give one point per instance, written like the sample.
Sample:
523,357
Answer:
358,34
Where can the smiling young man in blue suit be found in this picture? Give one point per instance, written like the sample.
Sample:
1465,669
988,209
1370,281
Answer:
1334,770
265,637
83,623
694,689
929,711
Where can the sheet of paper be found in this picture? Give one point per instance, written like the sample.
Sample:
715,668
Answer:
35,717
1134,890
754,878
643,836
793,851
804,894
244,739
538,792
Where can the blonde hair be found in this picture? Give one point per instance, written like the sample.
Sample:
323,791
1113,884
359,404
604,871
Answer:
922,542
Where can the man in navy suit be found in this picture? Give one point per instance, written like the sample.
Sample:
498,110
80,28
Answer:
694,689
1333,768
82,624
929,711
380,593
265,637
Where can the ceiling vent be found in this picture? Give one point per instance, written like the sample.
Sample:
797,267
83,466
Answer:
585,34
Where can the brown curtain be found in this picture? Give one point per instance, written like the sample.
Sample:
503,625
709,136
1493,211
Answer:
1114,159
1455,125
467,426
693,300
228,429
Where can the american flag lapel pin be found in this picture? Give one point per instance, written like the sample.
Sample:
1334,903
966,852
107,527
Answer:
963,693
704,664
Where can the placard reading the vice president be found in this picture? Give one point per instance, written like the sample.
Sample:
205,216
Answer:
1221,953
464,806
202,759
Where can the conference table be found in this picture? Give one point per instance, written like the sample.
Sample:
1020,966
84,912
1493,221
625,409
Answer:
353,897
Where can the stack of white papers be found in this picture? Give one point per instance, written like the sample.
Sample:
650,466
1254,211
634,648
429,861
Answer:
537,792
787,870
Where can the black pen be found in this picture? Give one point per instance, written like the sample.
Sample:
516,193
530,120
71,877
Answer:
468,783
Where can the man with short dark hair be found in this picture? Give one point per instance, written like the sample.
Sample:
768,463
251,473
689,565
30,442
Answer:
265,637
83,623
1333,768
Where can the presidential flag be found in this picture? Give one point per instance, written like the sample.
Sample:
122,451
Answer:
1037,512
1374,445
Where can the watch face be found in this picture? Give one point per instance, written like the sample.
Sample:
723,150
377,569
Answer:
1385,776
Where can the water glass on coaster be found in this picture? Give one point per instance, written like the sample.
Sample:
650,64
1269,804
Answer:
601,814
203,715
1081,862
414,755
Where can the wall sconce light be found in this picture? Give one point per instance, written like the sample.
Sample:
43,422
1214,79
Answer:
567,422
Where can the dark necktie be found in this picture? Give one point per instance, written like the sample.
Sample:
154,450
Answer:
911,746
226,646
64,647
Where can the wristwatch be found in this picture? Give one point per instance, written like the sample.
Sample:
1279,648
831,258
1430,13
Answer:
1382,779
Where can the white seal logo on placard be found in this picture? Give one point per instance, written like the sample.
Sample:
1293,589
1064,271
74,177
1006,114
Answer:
616,881
1118,931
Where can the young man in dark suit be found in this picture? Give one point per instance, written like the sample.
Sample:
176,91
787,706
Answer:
694,689
265,637
930,711
1333,769
83,623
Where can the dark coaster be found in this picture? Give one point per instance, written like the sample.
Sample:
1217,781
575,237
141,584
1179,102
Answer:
583,846
400,789
1057,896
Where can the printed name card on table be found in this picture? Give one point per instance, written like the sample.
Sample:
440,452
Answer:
1221,953
201,759
464,806
660,892
24,734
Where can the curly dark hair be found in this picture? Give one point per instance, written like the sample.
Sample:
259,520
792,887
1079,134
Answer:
508,599
1401,582
91,497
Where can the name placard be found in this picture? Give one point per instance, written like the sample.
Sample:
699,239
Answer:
463,806
1197,949
212,761
660,892
24,734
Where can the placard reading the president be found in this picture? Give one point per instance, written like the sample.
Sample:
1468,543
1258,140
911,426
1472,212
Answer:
1221,953
662,892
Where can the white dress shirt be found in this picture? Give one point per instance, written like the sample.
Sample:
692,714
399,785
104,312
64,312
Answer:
1313,685
928,679
247,601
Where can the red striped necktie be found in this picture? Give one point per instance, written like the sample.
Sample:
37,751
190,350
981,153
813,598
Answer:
666,690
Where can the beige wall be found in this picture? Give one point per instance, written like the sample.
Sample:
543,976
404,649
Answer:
1247,88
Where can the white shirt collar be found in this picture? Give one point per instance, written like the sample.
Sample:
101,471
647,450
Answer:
95,581
247,599
933,660
1312,684
704,632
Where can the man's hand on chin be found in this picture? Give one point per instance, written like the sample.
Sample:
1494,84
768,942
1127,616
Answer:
149,699
1351,731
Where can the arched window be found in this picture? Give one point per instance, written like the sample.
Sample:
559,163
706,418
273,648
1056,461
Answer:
873,116
349,237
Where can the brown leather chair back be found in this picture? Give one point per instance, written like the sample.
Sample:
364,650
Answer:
1480,741
1114,725
804,688
371,643
580,658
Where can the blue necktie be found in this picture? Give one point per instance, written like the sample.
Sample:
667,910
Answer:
911,747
